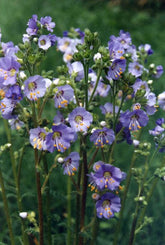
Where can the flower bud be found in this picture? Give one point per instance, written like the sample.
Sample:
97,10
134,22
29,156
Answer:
60,160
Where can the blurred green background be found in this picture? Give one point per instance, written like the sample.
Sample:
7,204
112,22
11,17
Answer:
145,20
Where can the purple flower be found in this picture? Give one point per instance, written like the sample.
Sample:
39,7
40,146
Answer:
146,48
32,26
44,42
116,50
80,119
6,107
159,71
156,131
124,39
52,38
134,120
63,96
106,177
58,119
60,138
71,163
9,68
76,68
38,138
108,108
15,123
9,49
35,87
107,205
103,89
140,85
14,93
135,69
116,69
103,136
124,135
161,100
47,23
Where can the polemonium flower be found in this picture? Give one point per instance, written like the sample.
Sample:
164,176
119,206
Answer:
124,39
158,129
116,50
32,26
161,100
60,138
108,205
47,23
140,85
44,42
108,108
38,138
107,177
159,71
6,107
124,134
14,93
9,49
116,69
100,137
35,87
103,89
135,68
76,68
80,119
134,120
71,163
63,96
64,43
15,123
146,48
9,68
58,118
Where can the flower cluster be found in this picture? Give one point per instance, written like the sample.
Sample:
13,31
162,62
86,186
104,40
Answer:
99,97
106,177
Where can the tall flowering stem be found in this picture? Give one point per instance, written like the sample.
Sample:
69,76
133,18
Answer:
6,208
13,163
128,180
39,196
84,190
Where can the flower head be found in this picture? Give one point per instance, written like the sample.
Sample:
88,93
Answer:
116,69
60,138
106,177
44,42
71,163
107,205
9,68
35,87
103,136
135,69
47,23
38,138
135,119
63,96
80,119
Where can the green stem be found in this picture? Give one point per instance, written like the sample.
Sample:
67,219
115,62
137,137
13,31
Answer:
78,205
13,163
147,200
86,68
39,197
84,191
47,204
96,84
69,211
94,229
6,208
128,180
93,158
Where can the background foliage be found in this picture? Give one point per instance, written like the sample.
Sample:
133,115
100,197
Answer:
145,22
